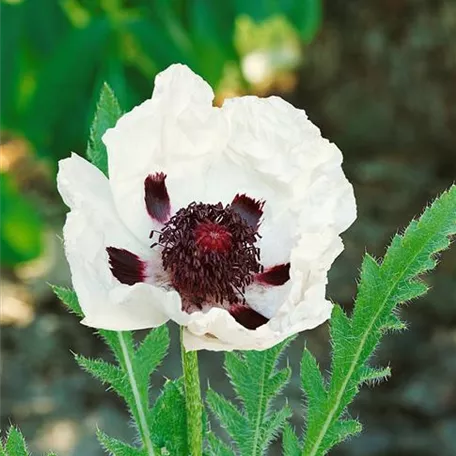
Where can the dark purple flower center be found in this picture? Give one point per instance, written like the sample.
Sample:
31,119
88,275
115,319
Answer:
209,251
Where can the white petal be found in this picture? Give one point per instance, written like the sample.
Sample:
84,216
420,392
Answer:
218,330
91,226
266,299
169,133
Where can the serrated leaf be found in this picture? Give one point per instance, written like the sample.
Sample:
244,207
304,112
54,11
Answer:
69,298
106,115
277,382
410,290
341,431
231,419
116,447
312,380
252,428
111,338
217,447
168,420
15,443
151,352
108,374
290,442
374,375
273,425
393,323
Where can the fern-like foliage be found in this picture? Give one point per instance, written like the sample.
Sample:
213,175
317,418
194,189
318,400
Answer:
162,427
383,286
256,381
129,377
14,444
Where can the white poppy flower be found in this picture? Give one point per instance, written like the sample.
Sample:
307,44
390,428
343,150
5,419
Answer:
225,220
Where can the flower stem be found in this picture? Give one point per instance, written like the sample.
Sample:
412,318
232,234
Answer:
193,400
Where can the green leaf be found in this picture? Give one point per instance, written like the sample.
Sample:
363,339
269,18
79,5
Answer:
236,424
383,287
394,323
168,421
151,352
217,447
69,298
290,442
312,381
116,447
106,115
274,424
341,431
254,426
15,444
373,375
108,374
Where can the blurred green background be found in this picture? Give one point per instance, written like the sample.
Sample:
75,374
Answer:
377,77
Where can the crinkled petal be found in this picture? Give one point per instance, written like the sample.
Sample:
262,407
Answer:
217,330
171,131
310,192
91,226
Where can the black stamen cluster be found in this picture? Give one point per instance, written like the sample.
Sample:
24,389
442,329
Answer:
199,274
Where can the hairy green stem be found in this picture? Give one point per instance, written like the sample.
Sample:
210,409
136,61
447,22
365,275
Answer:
142,420
193,400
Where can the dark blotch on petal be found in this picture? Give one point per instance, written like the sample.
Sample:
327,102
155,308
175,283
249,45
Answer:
156,197
249,209
247,317
126,267
277,275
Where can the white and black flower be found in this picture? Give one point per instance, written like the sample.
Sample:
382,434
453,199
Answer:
225,220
